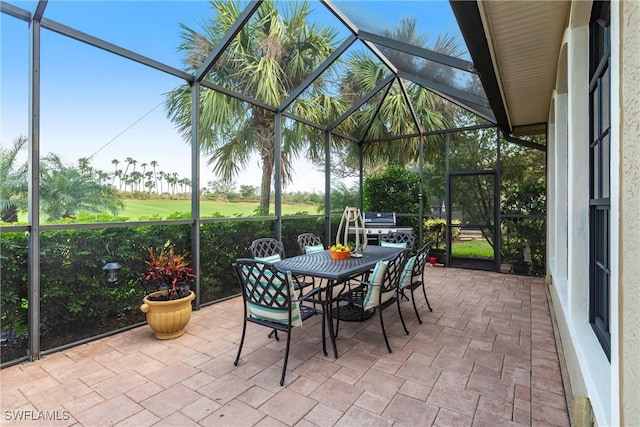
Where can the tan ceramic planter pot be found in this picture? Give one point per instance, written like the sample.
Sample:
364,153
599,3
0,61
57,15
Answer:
168,318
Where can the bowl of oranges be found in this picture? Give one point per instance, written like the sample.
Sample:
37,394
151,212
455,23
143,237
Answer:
340,251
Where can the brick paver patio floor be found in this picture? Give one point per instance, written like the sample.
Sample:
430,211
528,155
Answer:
485,356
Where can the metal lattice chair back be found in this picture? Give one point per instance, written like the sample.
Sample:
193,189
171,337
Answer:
308,239
381,291
266,248
399,237
270,300
264,287
414,278
422,258
391,278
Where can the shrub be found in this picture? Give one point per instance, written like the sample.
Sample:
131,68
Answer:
394,190
434,230
526,201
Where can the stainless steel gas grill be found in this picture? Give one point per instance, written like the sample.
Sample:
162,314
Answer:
377,224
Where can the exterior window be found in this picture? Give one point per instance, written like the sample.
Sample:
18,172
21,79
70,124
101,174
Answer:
599,174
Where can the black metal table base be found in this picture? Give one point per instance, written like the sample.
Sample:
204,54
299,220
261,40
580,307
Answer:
351,313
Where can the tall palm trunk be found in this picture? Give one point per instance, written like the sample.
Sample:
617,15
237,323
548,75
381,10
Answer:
265,185
264,127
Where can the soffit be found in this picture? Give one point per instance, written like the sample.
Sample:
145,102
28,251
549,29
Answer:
525,38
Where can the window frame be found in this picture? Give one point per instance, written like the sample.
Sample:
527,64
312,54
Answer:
600,174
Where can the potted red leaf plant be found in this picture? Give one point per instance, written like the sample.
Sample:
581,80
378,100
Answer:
168,307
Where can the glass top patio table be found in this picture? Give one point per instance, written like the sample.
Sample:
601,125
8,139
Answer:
321,265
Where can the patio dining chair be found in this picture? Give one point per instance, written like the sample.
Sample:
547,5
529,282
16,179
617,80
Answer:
267,249
412,276
309,243
270,300
400,239
380,292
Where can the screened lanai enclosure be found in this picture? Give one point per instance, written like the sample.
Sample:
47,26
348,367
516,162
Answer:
303,105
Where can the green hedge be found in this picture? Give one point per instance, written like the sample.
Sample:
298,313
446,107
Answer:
76,302
13,295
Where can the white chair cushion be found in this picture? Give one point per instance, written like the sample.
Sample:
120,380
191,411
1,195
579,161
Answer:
313,249
270,259
371,300
276,314
407,274
394,245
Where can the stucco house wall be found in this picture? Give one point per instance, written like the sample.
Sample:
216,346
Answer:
613,387
629,249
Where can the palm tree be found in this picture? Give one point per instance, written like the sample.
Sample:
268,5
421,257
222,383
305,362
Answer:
266,61
128,182
116,162
394,117
149,181
129,161
144,169
136,178
13,181
185,184
84,164
154,164
161,177
102,177
65,191
173,180
120,175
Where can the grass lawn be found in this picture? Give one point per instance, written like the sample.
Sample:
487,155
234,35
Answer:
472,249
134,208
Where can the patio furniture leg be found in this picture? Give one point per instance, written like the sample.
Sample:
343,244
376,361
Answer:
384,333
425,297
332,336
332,332
415,308
324,335
244,331
401,317
286,356
337,319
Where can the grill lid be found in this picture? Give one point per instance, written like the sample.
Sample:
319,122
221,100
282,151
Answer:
378,219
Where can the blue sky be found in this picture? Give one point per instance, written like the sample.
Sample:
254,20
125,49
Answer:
98,104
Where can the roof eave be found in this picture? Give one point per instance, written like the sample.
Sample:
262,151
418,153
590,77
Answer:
469,20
